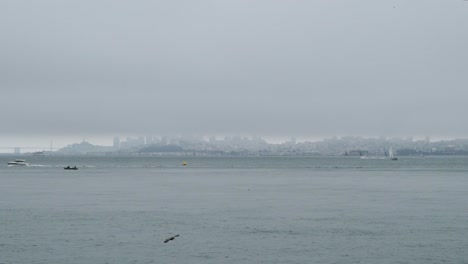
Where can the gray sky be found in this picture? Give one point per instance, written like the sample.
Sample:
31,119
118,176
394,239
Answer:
265,67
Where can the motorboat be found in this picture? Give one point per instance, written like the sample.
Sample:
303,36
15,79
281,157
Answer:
70,168
18,162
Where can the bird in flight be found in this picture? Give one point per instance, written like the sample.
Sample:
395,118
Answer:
171,238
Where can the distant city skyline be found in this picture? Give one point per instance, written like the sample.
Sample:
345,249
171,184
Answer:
38,143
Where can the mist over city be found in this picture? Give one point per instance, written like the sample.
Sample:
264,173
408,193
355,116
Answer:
253,146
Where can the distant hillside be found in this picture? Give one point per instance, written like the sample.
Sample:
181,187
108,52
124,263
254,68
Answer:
83,148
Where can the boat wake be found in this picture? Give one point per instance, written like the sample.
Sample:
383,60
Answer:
371,157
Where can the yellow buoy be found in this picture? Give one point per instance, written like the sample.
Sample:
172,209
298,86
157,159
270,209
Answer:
184,163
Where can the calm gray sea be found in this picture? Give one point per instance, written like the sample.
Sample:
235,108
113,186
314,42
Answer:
234,210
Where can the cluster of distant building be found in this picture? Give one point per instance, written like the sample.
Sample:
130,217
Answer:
256,146
132,142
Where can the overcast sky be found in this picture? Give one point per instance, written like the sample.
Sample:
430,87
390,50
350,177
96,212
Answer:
264,67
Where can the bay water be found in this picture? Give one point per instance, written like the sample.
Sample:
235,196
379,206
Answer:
234,210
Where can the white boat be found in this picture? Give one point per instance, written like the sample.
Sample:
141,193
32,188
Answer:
18,162
390,153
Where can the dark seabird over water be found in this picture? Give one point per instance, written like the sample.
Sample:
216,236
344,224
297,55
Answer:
171,238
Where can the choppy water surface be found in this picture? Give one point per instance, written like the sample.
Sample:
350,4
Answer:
234,210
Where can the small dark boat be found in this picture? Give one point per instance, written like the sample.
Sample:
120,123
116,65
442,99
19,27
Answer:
70,168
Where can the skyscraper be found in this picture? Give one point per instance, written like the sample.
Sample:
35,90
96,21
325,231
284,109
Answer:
149,140
293,140
116,142
212,139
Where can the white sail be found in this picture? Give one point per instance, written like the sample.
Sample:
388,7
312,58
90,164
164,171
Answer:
390,153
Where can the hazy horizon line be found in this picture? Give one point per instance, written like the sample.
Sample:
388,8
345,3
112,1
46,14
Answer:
56,141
